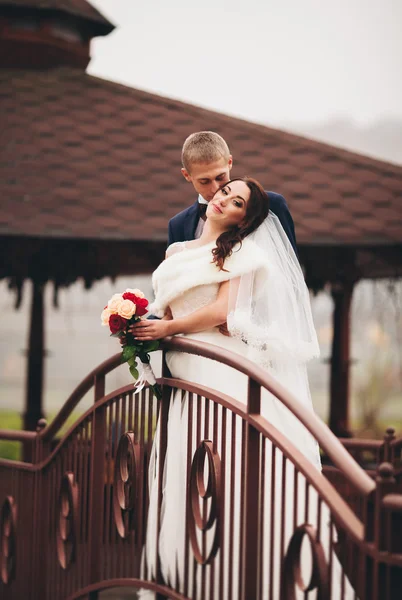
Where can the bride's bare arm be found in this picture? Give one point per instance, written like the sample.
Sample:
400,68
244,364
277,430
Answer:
211,315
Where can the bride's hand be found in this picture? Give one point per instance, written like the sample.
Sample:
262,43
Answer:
224,329
148,330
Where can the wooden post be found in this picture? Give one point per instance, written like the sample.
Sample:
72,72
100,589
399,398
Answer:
340,360
34,382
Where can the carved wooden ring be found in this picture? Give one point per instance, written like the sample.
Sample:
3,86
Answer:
125,489
8,520
197,489
292,565
67,520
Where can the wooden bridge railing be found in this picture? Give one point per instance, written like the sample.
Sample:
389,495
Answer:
74,520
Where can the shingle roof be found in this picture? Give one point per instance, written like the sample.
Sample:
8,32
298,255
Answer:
82,157
76,8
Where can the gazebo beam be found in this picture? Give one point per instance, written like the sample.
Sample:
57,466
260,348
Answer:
340,360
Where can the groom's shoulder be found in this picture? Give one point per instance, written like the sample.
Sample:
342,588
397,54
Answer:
182,214
276,199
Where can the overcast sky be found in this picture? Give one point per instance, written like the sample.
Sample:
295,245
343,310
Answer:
269,61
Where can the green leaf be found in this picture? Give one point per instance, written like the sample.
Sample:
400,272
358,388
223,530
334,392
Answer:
132,361
134,372
117,334
151,346
128,352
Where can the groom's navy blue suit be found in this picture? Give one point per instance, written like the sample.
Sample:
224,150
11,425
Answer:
182,227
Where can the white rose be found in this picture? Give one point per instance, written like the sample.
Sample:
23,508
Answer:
126,309
105,316
136,292
114,303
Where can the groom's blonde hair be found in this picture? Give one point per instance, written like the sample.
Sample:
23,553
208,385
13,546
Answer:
203,147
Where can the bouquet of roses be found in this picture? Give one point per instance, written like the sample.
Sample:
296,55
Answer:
119,314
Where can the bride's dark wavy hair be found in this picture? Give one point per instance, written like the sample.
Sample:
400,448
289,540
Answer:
256,212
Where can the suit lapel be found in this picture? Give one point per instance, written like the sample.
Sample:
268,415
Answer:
191,221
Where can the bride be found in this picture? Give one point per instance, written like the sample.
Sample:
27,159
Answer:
242,272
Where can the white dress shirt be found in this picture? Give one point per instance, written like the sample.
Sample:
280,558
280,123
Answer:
201,222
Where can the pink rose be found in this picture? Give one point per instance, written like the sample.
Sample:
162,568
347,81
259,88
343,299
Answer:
141,303
126,309
105,316
114,303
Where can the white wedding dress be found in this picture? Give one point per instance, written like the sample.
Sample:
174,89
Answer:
172,535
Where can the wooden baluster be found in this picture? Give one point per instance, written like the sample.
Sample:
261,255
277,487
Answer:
98,447
251,516
40,510
163,423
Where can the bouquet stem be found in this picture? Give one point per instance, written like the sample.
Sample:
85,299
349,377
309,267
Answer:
147,376
150,376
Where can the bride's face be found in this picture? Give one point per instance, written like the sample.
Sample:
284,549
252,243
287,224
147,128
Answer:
229,205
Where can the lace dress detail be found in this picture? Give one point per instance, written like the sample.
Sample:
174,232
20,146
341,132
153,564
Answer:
196,297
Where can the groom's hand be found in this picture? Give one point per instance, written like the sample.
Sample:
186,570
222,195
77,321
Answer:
224,329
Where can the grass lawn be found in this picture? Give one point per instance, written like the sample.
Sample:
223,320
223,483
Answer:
13,420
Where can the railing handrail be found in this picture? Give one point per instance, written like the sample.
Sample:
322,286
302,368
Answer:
48,432
127,582
89,456
327,440
17,435
368,444
361,443
82,388
48,459
344,515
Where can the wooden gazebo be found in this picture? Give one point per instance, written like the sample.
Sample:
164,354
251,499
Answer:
90,175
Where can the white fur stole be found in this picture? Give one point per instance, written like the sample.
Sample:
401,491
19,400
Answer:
192,267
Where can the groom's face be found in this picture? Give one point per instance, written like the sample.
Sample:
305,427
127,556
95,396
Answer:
208,178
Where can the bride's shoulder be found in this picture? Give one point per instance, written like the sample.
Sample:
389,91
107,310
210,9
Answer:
188,245
175,248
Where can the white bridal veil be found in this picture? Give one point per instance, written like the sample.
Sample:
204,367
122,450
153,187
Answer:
269,308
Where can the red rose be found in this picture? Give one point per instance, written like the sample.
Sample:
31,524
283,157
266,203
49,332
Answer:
117,323
130,296
141,303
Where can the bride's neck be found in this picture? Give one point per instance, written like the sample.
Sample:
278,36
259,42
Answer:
210,233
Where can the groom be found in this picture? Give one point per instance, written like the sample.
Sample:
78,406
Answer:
207,163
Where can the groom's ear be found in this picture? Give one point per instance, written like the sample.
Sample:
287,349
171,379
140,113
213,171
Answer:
186,174
230,162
